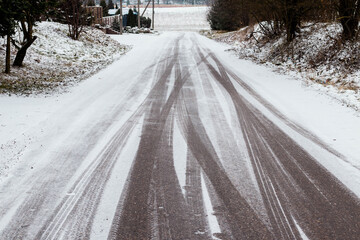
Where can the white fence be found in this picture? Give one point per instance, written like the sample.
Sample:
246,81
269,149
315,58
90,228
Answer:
108,21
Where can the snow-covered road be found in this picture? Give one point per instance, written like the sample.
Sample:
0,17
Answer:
180,140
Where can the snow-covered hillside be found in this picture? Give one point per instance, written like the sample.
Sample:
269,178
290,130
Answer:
56,60
317,57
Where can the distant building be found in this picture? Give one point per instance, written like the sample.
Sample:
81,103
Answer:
108,21
112,12
96,13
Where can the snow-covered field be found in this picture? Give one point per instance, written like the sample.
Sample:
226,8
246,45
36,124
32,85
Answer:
179,18
55,60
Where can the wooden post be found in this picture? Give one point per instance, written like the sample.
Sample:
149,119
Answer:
121,17
153,14
138,13
7,59
147,5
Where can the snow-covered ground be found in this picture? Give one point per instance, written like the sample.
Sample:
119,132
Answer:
28,124
23,120
179,18
317,57
55,60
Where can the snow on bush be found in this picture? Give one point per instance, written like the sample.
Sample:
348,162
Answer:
316,55
55,60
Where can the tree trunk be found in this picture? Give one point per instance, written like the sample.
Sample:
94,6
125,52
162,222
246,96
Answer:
245,17
350,27
138,13
292,20
348,14
291,28
22,53
7,59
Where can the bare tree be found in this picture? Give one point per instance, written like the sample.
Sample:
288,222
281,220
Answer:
349,11
31,12
75,16
9,14
274,16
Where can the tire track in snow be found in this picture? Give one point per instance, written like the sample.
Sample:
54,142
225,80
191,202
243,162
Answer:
44,185
320,211
92,183
243,221
172,210
274,218
232,154
193,188
299,196
195,200
301,130
94,175
134,221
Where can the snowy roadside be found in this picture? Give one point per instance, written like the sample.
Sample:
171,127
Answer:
29,95
337,125
21,118
55,61
315,57
60,63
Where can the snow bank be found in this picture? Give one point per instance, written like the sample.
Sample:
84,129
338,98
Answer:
56,60
26,120
316,56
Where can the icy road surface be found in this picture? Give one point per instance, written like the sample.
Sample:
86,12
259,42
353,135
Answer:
176,145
